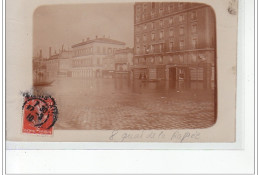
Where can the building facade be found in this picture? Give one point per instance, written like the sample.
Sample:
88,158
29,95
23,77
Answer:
39,69
123,63
58,64
88,56
174,41
108,66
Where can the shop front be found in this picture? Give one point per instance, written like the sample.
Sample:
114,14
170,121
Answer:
177,73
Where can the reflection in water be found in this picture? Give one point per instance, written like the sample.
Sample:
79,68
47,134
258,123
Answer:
131,104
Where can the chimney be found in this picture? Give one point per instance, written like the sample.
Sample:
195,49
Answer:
87,38
40,53
49,52
55,52
104,36
96,36
62,47
83,40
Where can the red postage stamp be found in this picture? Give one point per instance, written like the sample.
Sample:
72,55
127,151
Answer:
39,115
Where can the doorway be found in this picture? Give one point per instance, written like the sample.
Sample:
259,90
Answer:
172,73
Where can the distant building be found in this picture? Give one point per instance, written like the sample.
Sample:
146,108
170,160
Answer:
174,41
88,56
59,64
108,66
123,61
39,69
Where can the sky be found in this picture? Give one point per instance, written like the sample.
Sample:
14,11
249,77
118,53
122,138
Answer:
57,25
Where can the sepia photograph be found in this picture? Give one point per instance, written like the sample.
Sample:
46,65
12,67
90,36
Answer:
160,71
127,66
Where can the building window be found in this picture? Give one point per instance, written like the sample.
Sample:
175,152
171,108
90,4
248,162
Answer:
153,36
181,58
193,15
152,13
98,49
182,44
193,58
137,29
161,35
104,50
194,28
137,17
161,11
172,6
152,60
171,32
171,59
141,60
152,48
114,50
144,8
161,47
194,43
168,8
137,50
137,39
180,5
145,49
181,18
152,25
171,20
153,5
144,37
109,50
160,60
145,27
138,9
135,60
161,23
181,30
98,63
171,44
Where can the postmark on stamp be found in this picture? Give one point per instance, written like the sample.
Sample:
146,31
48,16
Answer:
39,114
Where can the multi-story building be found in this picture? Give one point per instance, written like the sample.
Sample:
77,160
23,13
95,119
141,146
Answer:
123,62
58,64
108,66
88,56
174,41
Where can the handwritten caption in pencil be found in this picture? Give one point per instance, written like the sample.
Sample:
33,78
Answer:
174,136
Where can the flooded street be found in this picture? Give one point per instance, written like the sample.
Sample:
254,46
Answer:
122,104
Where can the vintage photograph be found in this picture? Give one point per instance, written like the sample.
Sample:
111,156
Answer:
127,66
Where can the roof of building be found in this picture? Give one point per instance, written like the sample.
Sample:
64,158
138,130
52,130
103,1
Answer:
99,40
61,55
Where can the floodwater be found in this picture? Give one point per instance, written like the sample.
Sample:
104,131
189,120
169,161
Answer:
122,104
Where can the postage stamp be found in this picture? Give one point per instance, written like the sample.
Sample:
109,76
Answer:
39,114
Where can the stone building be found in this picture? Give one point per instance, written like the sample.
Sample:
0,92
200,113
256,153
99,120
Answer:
88,56
123,62
108,66
174,41
58,64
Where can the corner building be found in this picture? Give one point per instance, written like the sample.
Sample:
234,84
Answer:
174,41
88,56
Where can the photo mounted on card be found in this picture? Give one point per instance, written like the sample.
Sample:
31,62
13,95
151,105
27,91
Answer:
152,71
